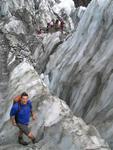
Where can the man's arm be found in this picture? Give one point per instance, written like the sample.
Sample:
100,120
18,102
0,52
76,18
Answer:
13,120
13,112
33,115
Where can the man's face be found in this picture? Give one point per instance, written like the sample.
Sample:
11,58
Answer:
24,99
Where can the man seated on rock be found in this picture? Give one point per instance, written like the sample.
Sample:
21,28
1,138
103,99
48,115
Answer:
20,115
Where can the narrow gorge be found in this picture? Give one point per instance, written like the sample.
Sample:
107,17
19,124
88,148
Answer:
67,73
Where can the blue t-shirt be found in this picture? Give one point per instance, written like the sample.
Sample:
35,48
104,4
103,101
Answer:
22,112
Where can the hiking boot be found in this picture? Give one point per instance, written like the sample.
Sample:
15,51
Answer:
21,141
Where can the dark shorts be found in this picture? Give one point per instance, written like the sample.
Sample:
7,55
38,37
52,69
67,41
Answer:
24,128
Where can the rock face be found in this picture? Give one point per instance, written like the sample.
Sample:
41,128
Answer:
62,130
38,13
76,16
18,38
54,10
79,3
4,73
82,73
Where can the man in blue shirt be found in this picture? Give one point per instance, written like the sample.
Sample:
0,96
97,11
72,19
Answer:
20,115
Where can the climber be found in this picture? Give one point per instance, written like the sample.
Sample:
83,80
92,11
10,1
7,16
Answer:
48,27
57,25
62,25
52,23
39,31
20,116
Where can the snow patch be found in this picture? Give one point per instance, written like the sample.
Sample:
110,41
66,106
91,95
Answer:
68,5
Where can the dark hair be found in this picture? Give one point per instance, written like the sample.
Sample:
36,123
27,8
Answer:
24,94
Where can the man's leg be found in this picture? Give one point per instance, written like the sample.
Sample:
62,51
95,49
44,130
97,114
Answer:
20,134
27,132
20,137
30,135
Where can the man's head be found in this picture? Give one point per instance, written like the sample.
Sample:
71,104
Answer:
24,98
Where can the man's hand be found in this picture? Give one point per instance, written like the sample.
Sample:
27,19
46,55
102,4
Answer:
33,116
13,121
